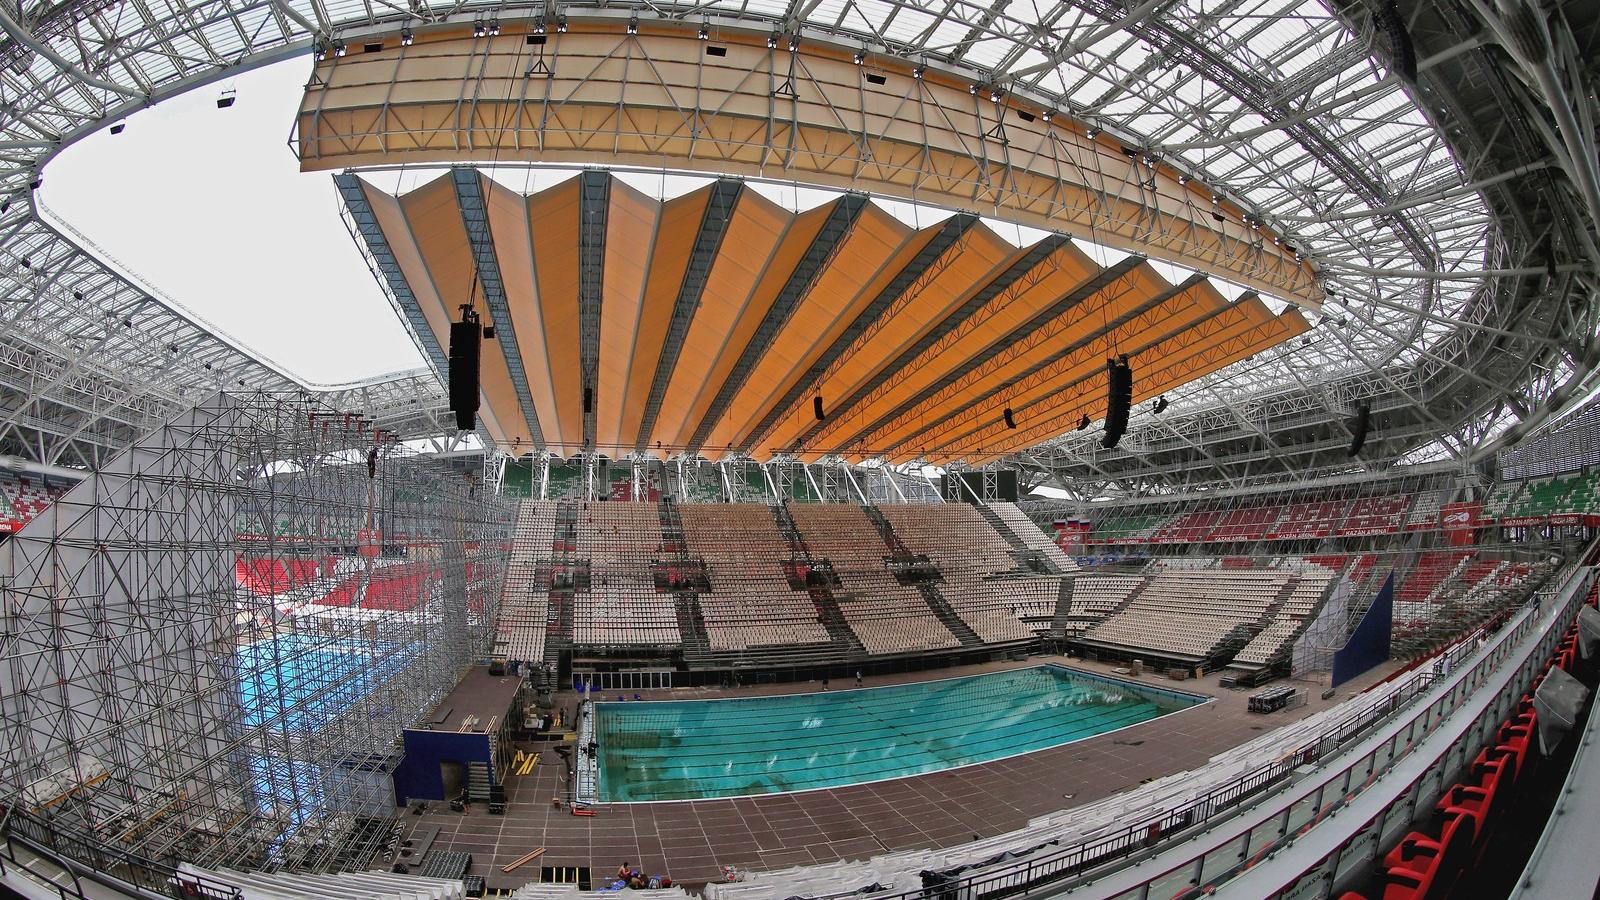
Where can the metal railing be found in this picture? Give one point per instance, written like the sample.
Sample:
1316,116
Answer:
77,853
1056,867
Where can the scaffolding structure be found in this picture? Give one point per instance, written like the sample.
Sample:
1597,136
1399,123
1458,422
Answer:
209,647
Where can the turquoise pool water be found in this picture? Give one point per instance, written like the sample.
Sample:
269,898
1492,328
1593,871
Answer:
696,749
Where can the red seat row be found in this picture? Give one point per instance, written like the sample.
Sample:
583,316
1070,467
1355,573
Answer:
1430,864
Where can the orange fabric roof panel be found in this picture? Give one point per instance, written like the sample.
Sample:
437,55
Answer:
631,220
680,221
755,233
1076,385
1085,325
508,223
441,239
834,302
797,239
553,217
1050,280
870,243
965,267
1243,330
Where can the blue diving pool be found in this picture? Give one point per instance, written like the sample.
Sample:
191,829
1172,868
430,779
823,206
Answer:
698,749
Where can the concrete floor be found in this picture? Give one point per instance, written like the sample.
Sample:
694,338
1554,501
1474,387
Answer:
692,840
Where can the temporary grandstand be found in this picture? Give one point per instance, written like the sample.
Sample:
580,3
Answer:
771,357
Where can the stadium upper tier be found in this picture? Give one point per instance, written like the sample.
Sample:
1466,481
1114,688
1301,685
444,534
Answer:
1446,214
710,323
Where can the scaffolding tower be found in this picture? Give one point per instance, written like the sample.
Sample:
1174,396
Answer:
209,647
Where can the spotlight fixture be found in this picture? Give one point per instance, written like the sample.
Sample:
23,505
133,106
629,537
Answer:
772,41
972,89
794,42
857,58
538,27
918,72
118,127
339,48
406,38
1092,133
494,26
477,28
1047,115
703,34
995,95
1216,200
1183,179
227,98
561,25
633,25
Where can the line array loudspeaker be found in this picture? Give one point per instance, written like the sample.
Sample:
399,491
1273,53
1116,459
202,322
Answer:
588,399
1400,46
1358,428
466,340
1119,399
816,408
1011,421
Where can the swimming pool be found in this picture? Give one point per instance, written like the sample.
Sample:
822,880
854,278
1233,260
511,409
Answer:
698,749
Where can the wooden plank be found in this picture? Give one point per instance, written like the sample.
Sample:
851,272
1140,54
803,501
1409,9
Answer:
523,860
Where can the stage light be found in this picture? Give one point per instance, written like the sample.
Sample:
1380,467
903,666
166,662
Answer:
633,25
1047,115
118,127
339,48
538,27
772,41
972,89
226,100
1092,133
406,37
477,28
561,25
703,34
857,58
917,72
794,42
494,27
995,95
1216,200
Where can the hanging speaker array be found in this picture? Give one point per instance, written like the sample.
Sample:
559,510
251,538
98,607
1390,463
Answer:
1400,46
466,340
1119,399
1011,421
1359,426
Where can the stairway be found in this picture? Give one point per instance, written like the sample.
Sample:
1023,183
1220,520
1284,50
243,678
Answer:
947,616
1063,614
685,603
833,619
999,525
558,628
897,548
478,782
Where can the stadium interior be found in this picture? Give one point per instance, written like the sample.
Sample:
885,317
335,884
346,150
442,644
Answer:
873,449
